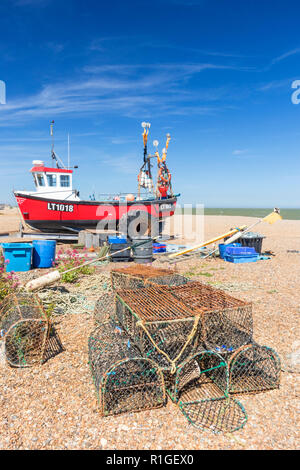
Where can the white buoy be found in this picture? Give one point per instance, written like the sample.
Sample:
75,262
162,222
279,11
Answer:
43,281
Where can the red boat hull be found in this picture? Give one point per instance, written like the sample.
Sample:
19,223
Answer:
51,214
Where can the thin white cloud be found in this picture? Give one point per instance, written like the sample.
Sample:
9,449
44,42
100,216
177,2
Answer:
286,55
124,89
125,165
55,47
275,84
239,152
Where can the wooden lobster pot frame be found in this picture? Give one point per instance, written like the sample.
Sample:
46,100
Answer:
162,327
227,323
140,275
201,391
253,369
124,380
25,330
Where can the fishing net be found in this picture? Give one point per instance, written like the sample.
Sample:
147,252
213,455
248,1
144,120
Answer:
138,275
201,391
163,328
254,369
25,329
124,380
226,322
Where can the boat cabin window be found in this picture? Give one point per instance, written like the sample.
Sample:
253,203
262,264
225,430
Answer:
65,181
40,179
51,180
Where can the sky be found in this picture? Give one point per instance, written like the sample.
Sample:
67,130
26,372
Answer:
215,75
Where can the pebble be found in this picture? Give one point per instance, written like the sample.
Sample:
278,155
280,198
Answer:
34,397
103,442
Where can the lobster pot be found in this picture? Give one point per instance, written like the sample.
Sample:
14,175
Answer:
204,375
105,304
139,275
226,322
254,369
124,380
219,415
25,329
105,308
201,392
173,279
163,329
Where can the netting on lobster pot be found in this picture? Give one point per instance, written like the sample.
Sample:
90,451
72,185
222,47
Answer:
105,305
201,392
202,376
227,323
138,275
253,369
105,308
25,329
124,380
219,415
163,328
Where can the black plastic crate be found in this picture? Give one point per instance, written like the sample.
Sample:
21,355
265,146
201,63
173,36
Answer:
252,240
120,257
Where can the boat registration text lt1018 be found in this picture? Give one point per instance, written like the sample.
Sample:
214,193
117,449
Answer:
60,207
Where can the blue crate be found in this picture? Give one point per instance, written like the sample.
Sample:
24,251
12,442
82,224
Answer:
117,240
241,255
223,248
18,256
240,251
241,259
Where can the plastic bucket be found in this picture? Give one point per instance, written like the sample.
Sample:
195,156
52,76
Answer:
143,253
17,256
223,248
43,253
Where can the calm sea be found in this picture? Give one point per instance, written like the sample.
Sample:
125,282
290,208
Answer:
289,214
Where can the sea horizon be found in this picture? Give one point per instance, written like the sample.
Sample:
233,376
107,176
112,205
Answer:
286,213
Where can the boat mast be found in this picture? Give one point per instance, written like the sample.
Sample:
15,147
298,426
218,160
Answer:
146,126
145,175
53,154
52,135
68,151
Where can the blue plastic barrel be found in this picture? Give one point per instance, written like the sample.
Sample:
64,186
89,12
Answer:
17,256
223,248
43,253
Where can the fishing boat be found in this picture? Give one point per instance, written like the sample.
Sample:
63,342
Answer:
55,206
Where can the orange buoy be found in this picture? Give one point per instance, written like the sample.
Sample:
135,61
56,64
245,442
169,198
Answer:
130,197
